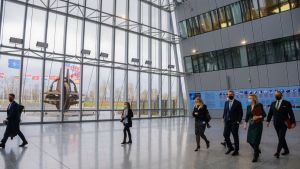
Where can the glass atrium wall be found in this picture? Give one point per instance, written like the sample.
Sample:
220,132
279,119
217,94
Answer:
79,60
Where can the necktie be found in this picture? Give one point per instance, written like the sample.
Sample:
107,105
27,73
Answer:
277,105
230,105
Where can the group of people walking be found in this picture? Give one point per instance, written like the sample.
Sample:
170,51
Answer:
280,110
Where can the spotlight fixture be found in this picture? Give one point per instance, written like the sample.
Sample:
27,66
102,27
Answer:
243,42
148,62
194,51
135,60
171,66
15,40
41,44
103,55
85,52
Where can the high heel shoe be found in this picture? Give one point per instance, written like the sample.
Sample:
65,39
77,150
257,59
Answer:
197,149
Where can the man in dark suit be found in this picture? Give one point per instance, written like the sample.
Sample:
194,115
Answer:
13,122
281,110
233,114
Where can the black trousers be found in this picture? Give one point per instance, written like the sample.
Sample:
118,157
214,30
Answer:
199,131
126,131
281,131
6,136
255,148
232,128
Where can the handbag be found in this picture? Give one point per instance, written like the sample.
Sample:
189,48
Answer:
257,111
288,123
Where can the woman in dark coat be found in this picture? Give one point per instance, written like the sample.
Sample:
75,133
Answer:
255,116
201,118
127,114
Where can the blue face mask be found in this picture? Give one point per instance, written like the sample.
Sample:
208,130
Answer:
250,101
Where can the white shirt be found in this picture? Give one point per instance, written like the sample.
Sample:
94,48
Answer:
278,104
230,103
125,116
9,106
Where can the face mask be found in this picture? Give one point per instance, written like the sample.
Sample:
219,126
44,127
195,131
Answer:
250,101
278,97
230,97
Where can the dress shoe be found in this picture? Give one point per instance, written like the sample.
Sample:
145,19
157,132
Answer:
276,155
229,150
124,142
2,145
23,144
207,144
129,142
223,143
197,149
235,153
285,153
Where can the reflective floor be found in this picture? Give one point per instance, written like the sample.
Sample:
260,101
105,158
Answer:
157,144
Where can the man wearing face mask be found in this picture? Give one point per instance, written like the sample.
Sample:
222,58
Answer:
282,112
233,114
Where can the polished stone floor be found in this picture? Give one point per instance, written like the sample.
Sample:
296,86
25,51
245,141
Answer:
157,144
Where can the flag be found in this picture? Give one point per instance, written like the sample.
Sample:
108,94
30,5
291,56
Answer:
2,75
35,77
14,63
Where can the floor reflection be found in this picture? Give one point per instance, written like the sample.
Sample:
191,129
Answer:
157,144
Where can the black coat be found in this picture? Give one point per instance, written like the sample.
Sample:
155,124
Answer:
129,118
235,114
201,114
14,118
284,112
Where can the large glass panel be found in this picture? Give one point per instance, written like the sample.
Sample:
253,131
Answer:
195,63
155,17
274,51
294,3
52,89
183,29
119,89
120,46
35,28
228,58
215,19
174,95
246,10
297,46
260,53
165,21
239,57
155,95
251,54
221,61
254,9
105,92
13,21
165,95
55,34
144,13
188,64
32,89
268,7
284,5
234,15
121,12
89,93
211,61
189,28
74,35
133,10
194,26
165,55
155,53
201,63
108,6
133,90
132,47
106,41
144,95
144,50
222,17
289,49
205,22
90,39
9,79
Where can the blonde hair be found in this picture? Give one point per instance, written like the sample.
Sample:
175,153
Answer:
255,98
200,104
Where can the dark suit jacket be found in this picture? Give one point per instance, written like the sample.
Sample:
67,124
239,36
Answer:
14,118
235,114
129,117
284,112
